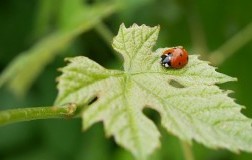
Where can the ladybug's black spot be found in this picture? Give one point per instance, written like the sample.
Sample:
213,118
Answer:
181,54
179,63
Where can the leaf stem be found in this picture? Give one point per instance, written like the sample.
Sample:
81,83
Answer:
230,47
105,32
27,114
106,35
187,150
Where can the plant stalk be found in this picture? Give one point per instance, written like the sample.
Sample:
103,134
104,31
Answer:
187,151
28,114
104,32
231,46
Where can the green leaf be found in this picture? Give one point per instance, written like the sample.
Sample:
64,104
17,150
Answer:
191,106
25,68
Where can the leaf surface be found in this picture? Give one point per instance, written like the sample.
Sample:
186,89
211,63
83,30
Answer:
190,104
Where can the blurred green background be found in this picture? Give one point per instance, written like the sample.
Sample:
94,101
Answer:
36,36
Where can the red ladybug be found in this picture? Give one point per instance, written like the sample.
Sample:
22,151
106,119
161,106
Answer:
176,57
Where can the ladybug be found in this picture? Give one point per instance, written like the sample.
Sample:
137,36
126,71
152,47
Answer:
175,57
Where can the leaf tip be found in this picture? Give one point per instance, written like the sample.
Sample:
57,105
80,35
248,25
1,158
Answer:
122,26
157,27
57,79
68,59
60,69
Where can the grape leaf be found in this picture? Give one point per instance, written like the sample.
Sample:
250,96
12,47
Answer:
191,106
